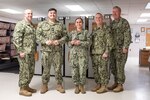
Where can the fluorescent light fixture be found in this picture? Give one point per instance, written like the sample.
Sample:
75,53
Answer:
11,11
75,8
85,15
145,15
142,20
147,6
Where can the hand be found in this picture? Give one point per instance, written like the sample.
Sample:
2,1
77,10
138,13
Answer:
55,42
125,50
77,42
21,55
105,56
72,42
49,42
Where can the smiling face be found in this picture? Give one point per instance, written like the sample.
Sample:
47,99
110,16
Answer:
79,23
28,15
52,15
116,12
99,19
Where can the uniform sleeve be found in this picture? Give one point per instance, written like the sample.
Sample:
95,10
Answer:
39,34
109,40
64,38
69,40
127,35
18,36
86,42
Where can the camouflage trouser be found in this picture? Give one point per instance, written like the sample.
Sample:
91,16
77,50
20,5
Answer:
79,66
100,69
51,59
117,65
26,71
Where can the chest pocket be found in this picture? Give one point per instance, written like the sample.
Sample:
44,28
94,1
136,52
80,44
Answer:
100,35
118,33
115,28
45,30
55,31
75,36
29,32
82,37
45,27
58,28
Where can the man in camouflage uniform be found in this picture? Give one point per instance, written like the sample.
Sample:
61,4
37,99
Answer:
24,40
122,39
100,48
51,35
78,43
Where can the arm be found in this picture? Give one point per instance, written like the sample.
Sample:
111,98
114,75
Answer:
69,40
86,42
109,40
127,35
18,36
109,44
64,38
39,34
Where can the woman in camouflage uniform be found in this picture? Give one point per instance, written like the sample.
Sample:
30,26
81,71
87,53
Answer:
100,48
78,43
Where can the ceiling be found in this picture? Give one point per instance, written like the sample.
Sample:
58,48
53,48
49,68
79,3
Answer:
131,9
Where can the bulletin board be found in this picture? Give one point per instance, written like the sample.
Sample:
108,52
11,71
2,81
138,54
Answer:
93,25
71,27
147,36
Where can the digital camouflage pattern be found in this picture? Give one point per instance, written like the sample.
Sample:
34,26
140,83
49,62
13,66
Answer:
101,40
79,56
100,69
25,41
101,43
122,38
26,70
51,54
48,30
24,37
51,59
121,33
117,65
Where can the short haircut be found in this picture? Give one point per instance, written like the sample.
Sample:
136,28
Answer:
79,18
52,9
117,7
27,10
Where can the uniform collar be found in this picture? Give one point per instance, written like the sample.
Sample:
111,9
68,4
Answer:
79,32
118,20
27,22
102,26
51,22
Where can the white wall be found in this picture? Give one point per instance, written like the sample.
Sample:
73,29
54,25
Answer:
135,46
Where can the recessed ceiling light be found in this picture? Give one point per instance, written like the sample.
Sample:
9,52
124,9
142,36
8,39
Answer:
11,11
75,8
147,6
141,20
145,15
